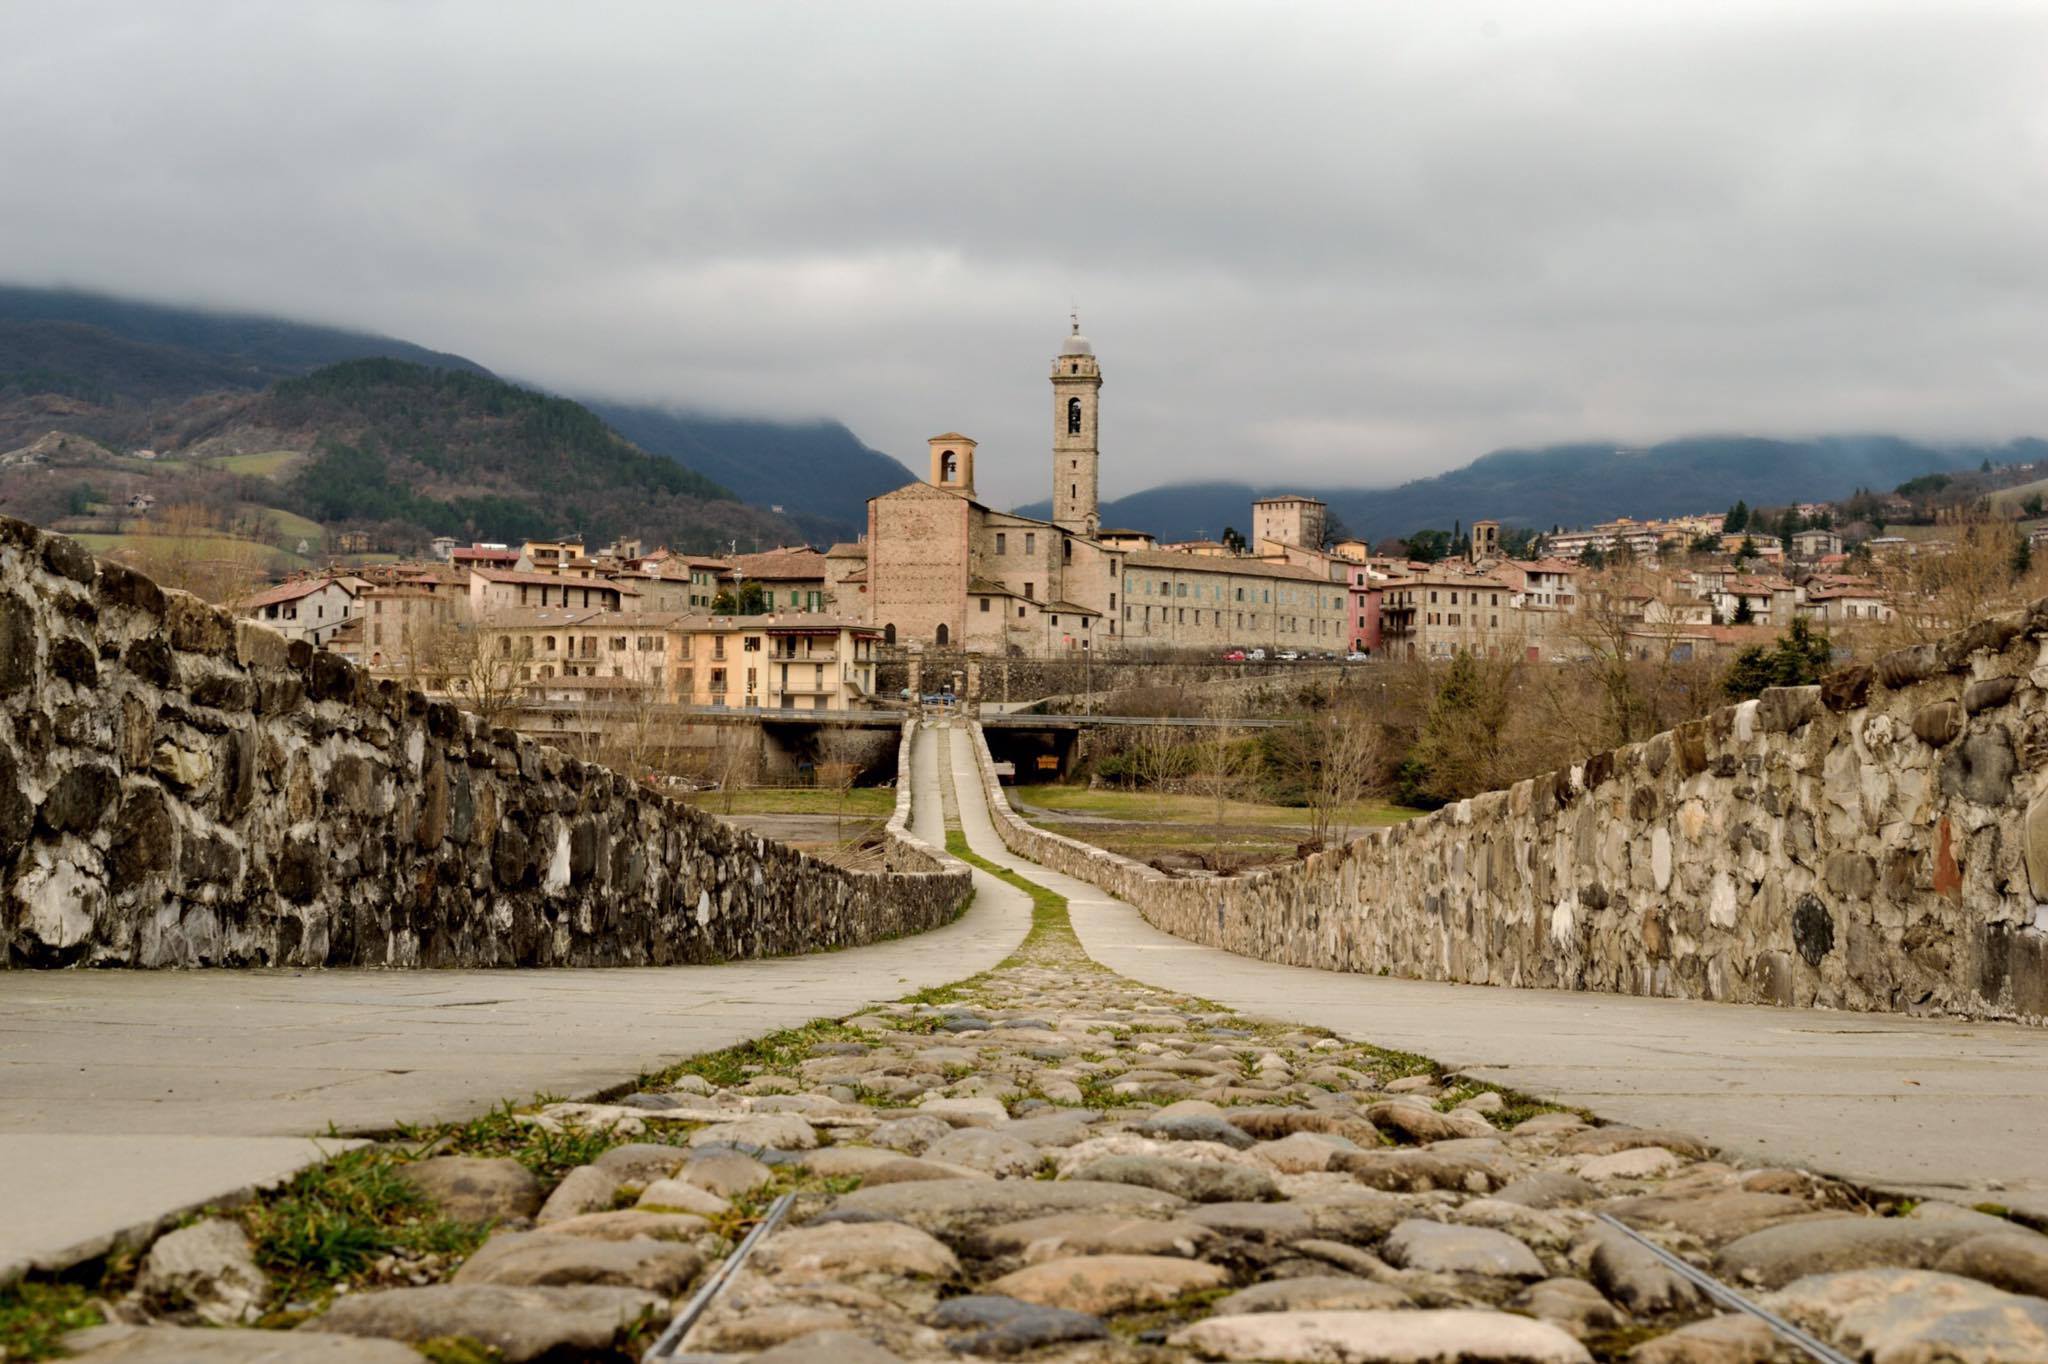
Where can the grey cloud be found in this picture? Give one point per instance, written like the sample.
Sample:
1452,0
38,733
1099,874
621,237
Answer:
1333,242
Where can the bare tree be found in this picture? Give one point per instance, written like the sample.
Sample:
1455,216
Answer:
1222,760
840,751
1334,755
187,547
477,667
733,761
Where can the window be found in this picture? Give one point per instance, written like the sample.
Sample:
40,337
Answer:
1183,615
752,644
984,606
941,635
1002,543
1454,598
1180,589
1031,542
1020,613
618,644
1066,550
1028,589
1073,416
1240,594
949,467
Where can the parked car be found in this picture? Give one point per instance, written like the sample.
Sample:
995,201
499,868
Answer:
1289,656
1356,656
1234,656
1256,656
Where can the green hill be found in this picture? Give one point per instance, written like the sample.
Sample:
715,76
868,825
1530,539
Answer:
453,452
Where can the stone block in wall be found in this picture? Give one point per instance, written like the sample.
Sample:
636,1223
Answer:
1988,693
1938,723
1980,769
1781,710
1846,688
1903,667
196,627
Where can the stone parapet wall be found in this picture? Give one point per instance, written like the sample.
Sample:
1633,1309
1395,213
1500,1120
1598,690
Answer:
182,788
1878,842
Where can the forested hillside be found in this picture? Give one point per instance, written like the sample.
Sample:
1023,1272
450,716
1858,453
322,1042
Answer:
819,473
470,455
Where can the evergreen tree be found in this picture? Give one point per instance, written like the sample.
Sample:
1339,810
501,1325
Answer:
1737,518
1800,658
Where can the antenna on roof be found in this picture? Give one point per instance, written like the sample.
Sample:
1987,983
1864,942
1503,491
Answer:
1075,314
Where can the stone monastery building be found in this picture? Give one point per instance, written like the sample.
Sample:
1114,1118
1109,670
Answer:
942,568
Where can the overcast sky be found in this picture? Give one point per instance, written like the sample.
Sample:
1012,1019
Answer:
1347,243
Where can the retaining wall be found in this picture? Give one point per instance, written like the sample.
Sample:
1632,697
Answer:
1877,842
182,788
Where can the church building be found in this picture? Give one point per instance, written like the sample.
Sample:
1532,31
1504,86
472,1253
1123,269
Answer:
943,568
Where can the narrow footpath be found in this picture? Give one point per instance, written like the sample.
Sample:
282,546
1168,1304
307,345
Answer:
1924,1106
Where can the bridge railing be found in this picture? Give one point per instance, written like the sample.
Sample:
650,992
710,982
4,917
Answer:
182,788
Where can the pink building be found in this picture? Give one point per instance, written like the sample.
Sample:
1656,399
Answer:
1365,609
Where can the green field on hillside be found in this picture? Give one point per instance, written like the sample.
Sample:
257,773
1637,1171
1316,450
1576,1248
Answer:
273,561
268,464
294,527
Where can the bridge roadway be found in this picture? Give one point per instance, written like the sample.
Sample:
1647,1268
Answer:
1924,1106
130,1096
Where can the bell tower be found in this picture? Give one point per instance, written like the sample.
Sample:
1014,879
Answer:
1076,395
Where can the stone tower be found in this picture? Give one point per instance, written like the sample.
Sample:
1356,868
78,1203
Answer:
953,462
1076,397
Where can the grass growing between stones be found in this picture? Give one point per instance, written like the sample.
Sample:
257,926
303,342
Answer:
35,1316
549,1154
332,1224
772,1053
1048,908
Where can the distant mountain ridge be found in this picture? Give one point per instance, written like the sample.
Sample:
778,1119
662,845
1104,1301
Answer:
116,369
819,473
1578,484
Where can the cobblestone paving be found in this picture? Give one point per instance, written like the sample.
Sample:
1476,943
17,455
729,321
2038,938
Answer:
1054,1163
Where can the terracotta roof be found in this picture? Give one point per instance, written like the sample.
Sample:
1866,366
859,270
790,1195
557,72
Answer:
1065,608
495,575
475,555
781,564
988,587
291,591
847,549
1205,563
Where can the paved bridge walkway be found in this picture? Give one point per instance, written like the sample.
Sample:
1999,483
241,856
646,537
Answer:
1951,1108
130,1095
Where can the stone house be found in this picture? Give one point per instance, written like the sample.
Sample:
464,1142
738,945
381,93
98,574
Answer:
311,609
1441,613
